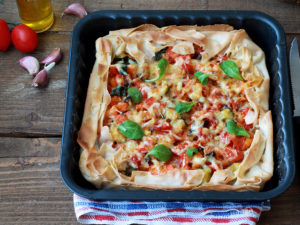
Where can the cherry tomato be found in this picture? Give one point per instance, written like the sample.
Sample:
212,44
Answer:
5,36
24,38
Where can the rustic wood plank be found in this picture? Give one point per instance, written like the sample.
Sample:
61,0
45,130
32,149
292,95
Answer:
25,109
31,190
285,208
288,14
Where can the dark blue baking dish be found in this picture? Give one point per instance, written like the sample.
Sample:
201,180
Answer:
263,29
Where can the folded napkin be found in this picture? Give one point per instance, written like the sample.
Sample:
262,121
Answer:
168,213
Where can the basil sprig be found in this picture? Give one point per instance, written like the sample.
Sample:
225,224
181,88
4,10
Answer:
202,77
162,65
182,107
131,130
232,128
135,95
118,91
190,151
231,69
161,152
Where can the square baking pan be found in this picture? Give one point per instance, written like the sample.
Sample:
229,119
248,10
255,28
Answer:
264,31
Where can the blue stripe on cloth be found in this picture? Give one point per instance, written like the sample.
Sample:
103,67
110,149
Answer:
172,205
168,205
137,206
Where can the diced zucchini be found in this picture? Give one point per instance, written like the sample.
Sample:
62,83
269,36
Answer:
178,125
171,114
207,174
116,135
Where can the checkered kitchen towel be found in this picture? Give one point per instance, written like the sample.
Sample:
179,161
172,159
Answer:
167,213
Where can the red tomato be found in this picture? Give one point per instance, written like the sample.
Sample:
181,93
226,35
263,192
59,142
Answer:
162,126
186,65
121,118
115,100
145,104
136,160
233,155
170,55
5,36
24,38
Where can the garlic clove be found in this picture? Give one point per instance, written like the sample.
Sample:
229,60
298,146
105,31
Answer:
54,56
76,9
30,63
41,79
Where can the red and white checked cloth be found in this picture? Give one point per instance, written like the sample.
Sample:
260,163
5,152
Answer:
167,213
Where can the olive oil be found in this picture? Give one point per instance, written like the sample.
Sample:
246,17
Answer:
37,14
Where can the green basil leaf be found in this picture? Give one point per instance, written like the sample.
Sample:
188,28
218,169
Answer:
118,91
190,152
158,54
131,130
231,69
182,107
161,152
135,95
232,128
162,65
203,78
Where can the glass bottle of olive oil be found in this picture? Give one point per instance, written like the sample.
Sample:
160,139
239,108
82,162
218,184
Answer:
37,14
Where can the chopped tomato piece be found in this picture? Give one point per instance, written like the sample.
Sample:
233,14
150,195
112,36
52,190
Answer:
144,93
244,111
137,82
114,78
185,163
210,165
205,91
136,160
121,118
163,104
113,71
119,79
198,49
236,142
170,55
115,100
169,167
221,58
235,105
187,64
162,126
154,171
131,70
145,104
142,149
232,155
216,94
112,82
122,106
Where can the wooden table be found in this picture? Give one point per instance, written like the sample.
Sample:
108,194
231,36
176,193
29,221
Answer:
31,190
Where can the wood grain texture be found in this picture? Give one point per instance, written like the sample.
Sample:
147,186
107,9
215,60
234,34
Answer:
286,13
31,191
29,110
